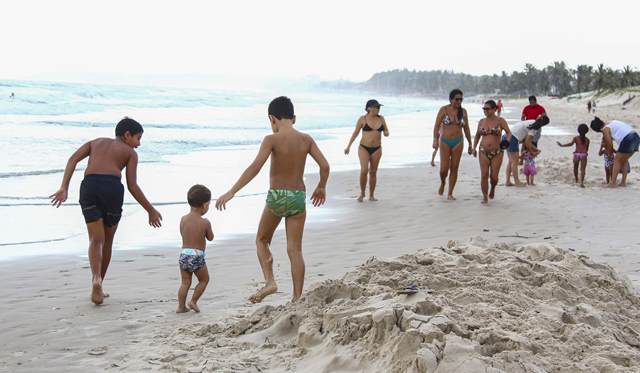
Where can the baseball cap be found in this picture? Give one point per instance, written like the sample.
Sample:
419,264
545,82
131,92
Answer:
372,103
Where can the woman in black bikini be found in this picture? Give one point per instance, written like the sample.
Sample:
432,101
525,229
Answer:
372,125
447,132
490,130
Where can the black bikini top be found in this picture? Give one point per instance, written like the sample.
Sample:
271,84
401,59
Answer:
367,128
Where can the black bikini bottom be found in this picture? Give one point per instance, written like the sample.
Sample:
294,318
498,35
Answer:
371,149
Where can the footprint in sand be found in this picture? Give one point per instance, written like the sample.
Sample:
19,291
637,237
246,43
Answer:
97,351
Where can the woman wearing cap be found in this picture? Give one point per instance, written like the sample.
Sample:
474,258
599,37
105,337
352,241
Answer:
372,125
628,142
451,120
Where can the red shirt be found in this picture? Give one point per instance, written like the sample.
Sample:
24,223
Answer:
532,112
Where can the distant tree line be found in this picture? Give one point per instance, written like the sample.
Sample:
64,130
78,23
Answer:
555,80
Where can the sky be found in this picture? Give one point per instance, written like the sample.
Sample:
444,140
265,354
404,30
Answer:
320,40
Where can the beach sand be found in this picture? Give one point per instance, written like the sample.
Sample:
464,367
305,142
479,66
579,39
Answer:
513,287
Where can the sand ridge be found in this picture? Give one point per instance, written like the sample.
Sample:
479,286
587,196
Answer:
480,308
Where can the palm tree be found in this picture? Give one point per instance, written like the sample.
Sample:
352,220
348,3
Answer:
601,75
584,77
627,77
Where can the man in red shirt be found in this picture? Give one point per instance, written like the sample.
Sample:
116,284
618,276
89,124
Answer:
533,111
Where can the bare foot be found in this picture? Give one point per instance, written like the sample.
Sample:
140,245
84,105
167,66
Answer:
182,309
295,299
484,201
433,164
509,184
105,295
492,192
96,293
581,185
360,198
450,197
441,189
267,290
520,185
623,184
373,199
192,305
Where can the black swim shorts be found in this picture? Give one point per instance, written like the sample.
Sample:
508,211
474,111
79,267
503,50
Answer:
101,197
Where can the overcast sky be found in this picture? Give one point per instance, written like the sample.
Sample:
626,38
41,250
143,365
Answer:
327,39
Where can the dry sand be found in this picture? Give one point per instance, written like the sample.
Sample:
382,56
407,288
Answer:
479,308
508,299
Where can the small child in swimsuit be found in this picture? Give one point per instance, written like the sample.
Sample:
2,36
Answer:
194,229
288,150
529,170
581,153
608,163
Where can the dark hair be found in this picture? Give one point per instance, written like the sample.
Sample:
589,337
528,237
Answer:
583,129
533,98
491,103
198,195
281,108
454,93
597,124
128,125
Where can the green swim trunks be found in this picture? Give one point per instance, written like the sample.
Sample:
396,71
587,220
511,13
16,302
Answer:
284,202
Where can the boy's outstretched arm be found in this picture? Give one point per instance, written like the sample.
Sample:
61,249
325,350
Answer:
319,195
248,174
209,233
155,218
60,196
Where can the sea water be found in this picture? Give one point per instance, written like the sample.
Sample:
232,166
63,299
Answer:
191,136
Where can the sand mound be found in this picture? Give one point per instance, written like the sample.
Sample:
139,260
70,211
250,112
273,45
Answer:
480,308
559,171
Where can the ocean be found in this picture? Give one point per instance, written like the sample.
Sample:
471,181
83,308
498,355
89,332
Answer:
191,135
205,136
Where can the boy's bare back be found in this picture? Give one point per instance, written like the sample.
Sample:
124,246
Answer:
194,230
289,150
108,157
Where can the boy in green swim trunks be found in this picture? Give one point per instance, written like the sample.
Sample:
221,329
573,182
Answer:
288,149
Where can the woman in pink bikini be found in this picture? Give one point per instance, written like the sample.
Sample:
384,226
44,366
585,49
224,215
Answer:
581,152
